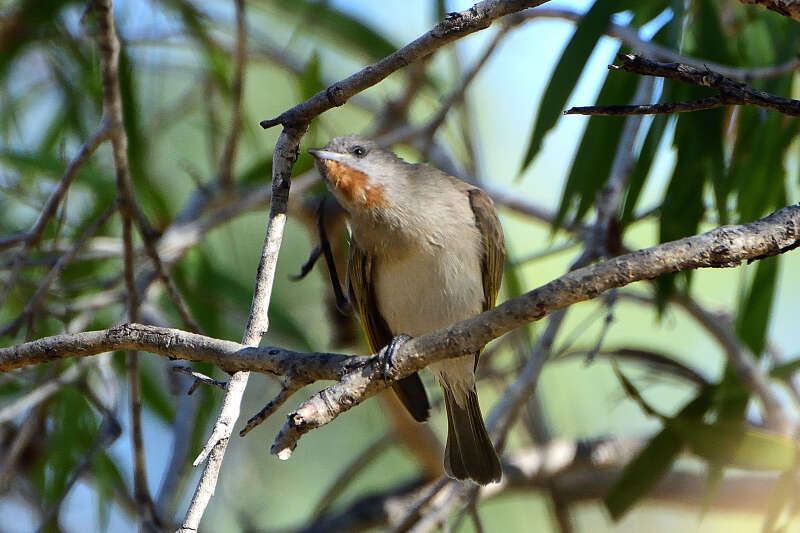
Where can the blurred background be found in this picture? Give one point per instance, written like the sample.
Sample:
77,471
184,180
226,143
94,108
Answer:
63,469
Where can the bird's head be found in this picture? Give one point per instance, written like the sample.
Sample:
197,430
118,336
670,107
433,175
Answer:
361,175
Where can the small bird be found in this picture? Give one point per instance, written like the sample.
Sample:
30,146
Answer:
426,251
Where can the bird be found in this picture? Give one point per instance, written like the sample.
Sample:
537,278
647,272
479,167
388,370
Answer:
426,251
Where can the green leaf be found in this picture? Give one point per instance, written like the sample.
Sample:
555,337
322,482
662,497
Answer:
654,461
592,162
154,395
699,160
311,80
322,17
756,308
642,168
737,445
567,72
786,370
217,62
633,393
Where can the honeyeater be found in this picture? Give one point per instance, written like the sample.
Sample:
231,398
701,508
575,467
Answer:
426,251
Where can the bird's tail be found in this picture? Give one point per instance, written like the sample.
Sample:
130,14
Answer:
469,452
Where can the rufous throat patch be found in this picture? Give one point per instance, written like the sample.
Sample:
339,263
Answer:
354,185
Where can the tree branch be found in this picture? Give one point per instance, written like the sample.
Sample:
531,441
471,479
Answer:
359,377
730,92
108,43
225,173
456,26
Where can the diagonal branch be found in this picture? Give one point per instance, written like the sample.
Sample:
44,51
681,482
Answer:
455,26
361,377
726,246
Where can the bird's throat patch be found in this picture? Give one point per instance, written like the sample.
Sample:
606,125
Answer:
355,185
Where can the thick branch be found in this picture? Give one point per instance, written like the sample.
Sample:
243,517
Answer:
455,26
726,246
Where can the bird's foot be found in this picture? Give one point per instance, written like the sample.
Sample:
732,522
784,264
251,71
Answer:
387,353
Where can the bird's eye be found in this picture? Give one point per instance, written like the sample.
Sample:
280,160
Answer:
359,151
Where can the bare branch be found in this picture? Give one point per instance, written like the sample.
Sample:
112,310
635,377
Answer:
711,102
359,378
108,43
198,378
225,173
723,247
730,92
288,388
476,18
258,322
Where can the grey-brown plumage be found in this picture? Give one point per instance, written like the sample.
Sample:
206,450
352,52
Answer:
426,251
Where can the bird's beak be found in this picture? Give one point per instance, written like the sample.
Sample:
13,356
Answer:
332,156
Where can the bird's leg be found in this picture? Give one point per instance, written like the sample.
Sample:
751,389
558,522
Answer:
386,355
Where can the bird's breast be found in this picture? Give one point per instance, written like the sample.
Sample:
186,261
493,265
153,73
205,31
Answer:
426,290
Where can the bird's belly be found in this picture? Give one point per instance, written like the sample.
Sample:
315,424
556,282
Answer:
422,293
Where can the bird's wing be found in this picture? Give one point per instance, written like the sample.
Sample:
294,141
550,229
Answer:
410,389
359,272
494,249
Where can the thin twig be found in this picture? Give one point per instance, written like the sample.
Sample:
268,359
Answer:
459,25
198,378
730,92
710,102
32,237
360,378
109,45
65,259
288,388
225,173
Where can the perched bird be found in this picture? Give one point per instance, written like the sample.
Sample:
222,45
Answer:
426,251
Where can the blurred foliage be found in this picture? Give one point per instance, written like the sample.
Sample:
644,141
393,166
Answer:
730,166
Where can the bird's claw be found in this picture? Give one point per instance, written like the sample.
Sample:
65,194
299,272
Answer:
386,355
